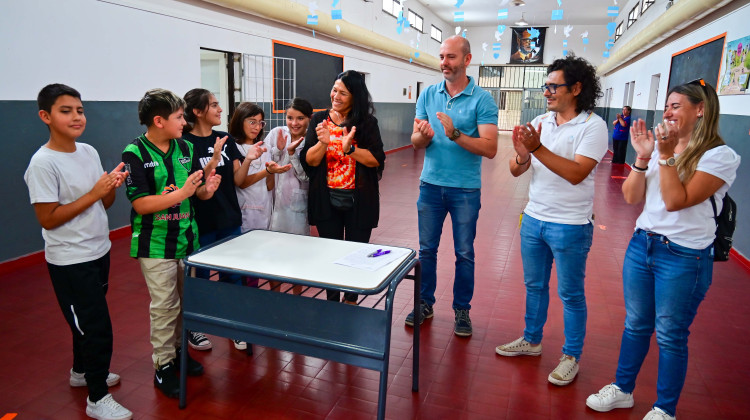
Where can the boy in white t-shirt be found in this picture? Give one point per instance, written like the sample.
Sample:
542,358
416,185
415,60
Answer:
70,192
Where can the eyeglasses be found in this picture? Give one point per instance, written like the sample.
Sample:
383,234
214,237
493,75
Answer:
552,87
253,122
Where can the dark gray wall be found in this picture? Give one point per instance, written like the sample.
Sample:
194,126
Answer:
734,130
110,126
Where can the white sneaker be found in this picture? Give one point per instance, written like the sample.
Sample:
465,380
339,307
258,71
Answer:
608,398
519,347
565,371
78,379
240,345
107,409
657,413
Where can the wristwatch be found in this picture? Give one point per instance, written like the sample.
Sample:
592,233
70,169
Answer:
455,134
351,150
667,162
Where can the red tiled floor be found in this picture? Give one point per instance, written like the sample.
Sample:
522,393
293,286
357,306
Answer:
460,378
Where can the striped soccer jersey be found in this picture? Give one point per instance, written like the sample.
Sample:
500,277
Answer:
173,232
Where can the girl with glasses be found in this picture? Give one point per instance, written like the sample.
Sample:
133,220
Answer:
255,192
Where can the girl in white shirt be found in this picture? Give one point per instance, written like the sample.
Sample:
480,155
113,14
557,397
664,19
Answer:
669,261
290,192
255,194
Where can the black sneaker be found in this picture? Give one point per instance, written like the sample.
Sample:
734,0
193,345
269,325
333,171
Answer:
194,368
166,380
426,310
199,341
463,323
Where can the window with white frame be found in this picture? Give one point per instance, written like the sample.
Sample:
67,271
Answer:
392,7
618,31
436,34
646,4
416,21
633,15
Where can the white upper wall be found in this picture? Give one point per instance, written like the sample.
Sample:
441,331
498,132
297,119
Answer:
115,52
658,61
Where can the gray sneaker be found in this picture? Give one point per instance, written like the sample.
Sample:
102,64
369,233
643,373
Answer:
463,323
565,371
519,347
426,310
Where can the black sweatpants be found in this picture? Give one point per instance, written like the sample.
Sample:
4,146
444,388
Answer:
341,226
80,290
619,150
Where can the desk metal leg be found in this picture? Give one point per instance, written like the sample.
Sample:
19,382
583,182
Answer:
183,369
417,309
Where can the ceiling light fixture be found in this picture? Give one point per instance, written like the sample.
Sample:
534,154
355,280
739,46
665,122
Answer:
519,3
522,22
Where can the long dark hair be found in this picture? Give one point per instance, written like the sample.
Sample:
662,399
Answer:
245,110
362,106
195,99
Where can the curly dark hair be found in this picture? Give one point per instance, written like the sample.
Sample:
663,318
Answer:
577,69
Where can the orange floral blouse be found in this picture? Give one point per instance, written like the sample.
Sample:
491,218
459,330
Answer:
340,166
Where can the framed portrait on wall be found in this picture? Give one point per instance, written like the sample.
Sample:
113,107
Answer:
734,81
527,46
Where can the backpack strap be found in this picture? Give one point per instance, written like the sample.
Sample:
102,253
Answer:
713,204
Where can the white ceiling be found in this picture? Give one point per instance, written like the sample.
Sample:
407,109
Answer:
536,12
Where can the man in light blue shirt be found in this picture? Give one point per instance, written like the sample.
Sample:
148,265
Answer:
456,124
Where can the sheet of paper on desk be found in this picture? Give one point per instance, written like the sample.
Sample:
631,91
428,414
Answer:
361,258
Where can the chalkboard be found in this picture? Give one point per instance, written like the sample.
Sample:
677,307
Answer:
702,61
316,72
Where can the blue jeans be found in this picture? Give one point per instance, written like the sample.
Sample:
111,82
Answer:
206,239
568,245
663,284
463,204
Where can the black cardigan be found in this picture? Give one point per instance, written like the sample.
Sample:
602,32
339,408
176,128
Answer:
366,193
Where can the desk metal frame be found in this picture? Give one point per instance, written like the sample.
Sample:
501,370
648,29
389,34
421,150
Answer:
355,335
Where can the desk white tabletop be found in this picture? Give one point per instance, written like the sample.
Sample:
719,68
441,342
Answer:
296,258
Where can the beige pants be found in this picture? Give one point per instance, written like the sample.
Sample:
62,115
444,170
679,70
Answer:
165,279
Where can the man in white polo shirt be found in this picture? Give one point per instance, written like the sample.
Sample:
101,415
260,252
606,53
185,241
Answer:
562,147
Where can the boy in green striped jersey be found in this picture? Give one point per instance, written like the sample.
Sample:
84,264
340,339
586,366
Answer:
162,178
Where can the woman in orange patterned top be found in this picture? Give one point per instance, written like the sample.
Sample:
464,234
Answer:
343,157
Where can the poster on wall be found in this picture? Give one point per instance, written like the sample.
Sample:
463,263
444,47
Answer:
734,81
527,46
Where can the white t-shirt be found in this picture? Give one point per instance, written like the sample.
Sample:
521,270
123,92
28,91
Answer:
63,178
552,198
290,193
693,227
255,201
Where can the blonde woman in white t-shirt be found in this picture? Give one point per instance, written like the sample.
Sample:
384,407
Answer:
668,264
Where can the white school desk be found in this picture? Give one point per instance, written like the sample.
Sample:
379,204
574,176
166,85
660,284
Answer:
356,335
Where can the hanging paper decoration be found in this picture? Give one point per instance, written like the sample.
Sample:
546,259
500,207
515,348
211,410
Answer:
459,3
502,14
312,19
557,14
611,26
458,16
336,14
567,30
613,11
